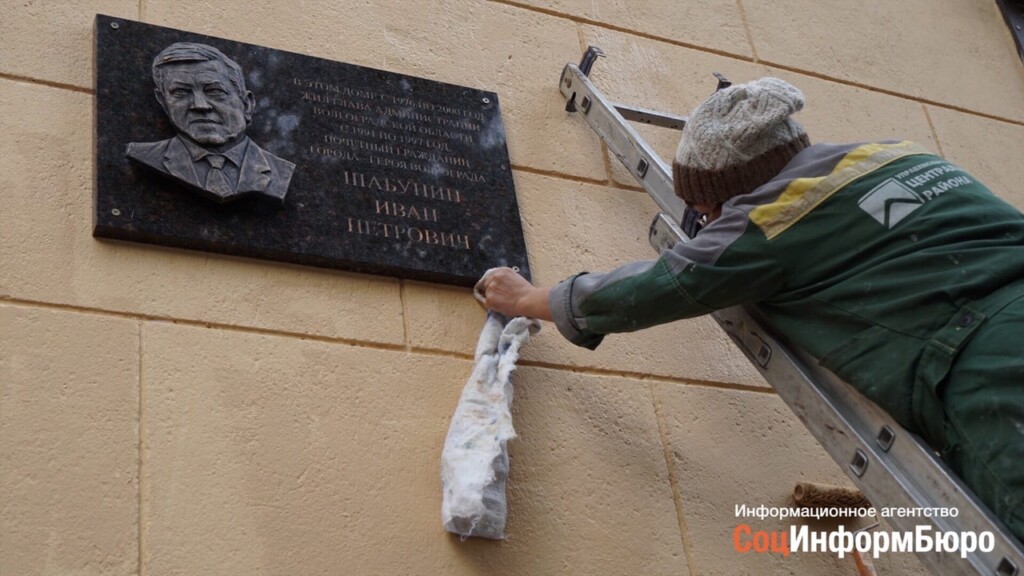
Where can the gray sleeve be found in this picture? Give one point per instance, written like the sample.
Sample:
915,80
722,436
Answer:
564,300
689,280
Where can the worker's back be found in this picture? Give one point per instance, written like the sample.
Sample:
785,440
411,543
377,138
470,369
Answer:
885,252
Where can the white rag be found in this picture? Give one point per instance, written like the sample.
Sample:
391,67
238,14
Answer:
474,462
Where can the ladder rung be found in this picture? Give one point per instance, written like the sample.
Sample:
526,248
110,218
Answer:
652,117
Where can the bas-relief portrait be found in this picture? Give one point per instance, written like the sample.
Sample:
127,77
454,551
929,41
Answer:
203,93
399,175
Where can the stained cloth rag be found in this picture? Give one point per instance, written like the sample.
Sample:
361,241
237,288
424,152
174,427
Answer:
474,462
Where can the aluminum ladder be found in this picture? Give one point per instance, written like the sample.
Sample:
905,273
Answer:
891,466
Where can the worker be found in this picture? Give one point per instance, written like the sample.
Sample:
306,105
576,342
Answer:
895,269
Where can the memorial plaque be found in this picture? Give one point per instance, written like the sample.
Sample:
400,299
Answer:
215,145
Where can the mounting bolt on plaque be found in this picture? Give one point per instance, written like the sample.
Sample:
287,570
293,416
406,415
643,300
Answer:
115,25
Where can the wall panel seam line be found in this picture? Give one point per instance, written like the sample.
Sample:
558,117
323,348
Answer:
47,83
810,73
935,133
673,480
746,29
385,347
560,175
609,183
406,336
653,378
580,37
755,60
605,372
143,485
614,28
608,175
892,93
608,169
202,324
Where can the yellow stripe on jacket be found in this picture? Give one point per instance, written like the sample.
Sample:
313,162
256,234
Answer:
804,194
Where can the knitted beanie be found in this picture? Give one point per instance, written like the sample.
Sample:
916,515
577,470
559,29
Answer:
737,140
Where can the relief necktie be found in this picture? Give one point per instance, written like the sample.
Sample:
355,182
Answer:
216,181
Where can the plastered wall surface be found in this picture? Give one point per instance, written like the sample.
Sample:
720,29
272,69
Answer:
168,412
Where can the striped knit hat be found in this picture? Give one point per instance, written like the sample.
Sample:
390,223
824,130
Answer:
737,140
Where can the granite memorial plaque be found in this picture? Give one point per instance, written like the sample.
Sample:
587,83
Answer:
209,144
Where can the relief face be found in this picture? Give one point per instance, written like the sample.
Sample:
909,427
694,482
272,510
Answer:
203,93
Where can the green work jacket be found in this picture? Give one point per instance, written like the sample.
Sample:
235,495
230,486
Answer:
880,260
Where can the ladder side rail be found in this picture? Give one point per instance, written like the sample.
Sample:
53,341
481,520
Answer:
842,420
622,140
891,466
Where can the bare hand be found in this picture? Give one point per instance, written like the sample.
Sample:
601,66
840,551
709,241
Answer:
508,293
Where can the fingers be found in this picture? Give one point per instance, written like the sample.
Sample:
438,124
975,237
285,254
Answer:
495,280
507,292
497,276
500,289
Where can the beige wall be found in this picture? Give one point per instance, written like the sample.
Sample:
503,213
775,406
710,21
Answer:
171,412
